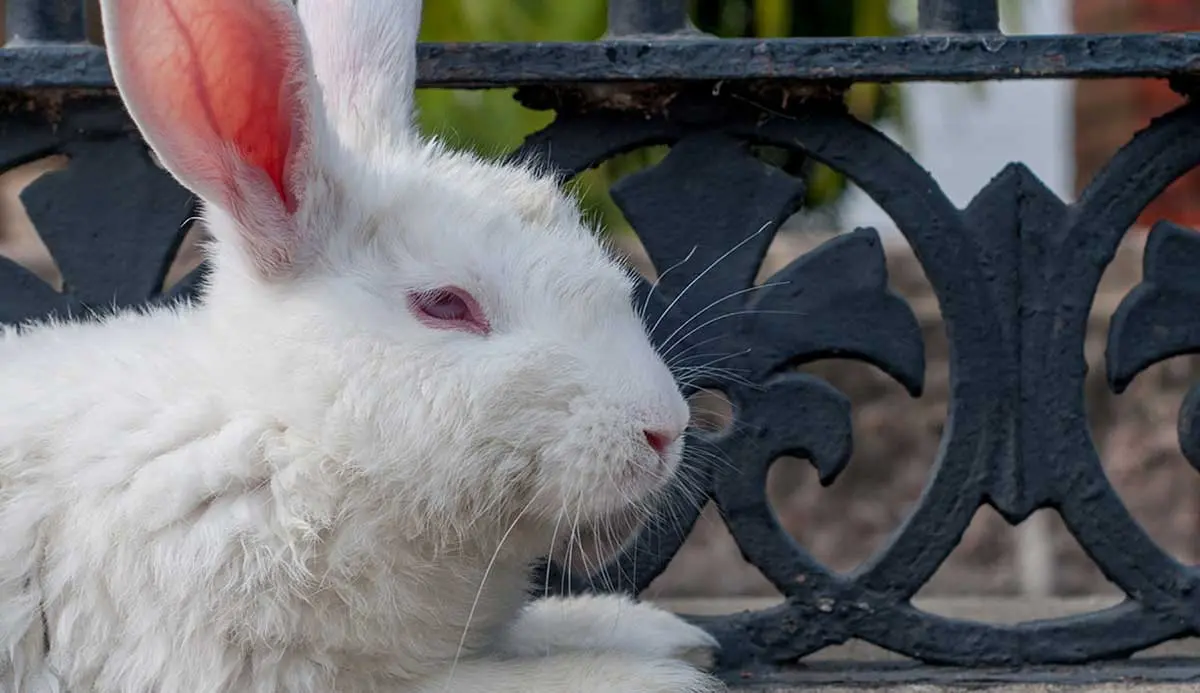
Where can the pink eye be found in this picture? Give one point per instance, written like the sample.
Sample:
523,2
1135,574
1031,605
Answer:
449,308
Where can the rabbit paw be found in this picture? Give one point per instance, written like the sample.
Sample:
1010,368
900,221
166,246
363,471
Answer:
608,623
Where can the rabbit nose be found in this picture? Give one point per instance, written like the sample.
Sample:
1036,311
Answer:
660,440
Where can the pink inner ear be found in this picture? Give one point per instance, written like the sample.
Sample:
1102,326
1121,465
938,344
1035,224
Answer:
220,70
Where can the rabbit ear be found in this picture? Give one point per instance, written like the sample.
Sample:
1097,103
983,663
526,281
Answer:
221,90
364,56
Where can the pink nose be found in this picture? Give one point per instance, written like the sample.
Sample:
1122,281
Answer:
661,441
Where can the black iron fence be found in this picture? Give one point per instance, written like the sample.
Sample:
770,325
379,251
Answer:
1015,274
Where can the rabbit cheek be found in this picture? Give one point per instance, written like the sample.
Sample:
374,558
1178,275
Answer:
600,480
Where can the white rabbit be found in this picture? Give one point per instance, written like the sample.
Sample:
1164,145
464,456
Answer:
413,371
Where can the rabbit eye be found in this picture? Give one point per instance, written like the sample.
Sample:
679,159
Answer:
449,308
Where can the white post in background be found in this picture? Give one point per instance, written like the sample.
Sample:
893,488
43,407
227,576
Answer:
964,134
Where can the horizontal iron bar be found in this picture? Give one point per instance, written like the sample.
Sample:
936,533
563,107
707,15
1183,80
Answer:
913,58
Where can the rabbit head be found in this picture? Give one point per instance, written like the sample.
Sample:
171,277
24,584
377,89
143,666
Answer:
446,327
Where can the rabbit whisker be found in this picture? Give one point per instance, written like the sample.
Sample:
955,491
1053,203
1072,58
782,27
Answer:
679,340
698,344
482,582
717,357
715,303
550,552
657,281
706,270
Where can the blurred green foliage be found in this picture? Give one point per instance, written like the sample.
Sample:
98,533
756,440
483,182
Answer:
491,122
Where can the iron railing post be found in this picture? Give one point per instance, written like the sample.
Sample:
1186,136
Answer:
643,17
44,22
959,16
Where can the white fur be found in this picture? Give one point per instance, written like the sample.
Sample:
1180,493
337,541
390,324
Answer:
607,622
296,486
358,84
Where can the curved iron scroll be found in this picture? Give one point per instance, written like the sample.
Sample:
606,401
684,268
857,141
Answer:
1015,274
112,220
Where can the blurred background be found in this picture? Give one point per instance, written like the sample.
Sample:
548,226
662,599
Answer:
964,134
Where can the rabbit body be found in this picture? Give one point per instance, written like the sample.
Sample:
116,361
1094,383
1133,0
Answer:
413,374
165,526
207,546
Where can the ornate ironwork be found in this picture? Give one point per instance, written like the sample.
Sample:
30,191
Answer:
1015,274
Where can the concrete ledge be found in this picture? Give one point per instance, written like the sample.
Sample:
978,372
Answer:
1030,688
804,686
1155,675
1166,676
